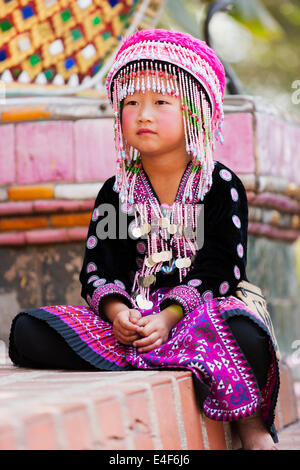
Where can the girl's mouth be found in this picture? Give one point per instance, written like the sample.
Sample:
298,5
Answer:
145,131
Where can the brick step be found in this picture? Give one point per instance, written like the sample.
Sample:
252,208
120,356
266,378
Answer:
138,410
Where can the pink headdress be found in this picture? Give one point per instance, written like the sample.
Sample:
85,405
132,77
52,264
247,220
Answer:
174,63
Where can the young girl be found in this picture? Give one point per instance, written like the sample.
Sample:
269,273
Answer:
166,247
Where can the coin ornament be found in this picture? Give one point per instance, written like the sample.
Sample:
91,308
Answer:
160,257
183,263
166,255
136,232
156,257
143,303
145,228
180,230
149,262
146,281
172,228
163,222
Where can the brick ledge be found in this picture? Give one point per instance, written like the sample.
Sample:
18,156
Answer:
138,410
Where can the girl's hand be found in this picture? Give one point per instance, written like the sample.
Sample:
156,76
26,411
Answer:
125,326
155,329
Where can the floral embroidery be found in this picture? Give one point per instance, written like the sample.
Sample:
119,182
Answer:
236,221
225,175
237,273
234,194
224,287
120,284
207,295
91,242
195,282
240,250
99,282
141,247
95,215
91,267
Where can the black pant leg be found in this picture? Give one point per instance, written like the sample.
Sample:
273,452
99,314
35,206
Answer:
34,344
254,343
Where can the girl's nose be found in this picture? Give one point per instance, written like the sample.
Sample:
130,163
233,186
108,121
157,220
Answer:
145,112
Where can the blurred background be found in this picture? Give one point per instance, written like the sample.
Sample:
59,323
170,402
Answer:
56,136
57,145
258,39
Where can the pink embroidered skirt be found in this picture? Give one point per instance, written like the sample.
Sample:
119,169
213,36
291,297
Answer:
201,342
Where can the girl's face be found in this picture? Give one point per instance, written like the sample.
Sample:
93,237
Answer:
159,113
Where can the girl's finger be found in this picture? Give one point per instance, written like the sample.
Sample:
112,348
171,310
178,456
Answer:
128,326
125,340
143,321
146,341
152,346
126,336
134,315
127,333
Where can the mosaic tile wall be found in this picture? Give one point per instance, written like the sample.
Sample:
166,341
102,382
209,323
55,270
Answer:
59,41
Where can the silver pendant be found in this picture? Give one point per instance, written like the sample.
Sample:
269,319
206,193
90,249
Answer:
136,232
183,263
149,262
163,222
172,228
145,228
143,303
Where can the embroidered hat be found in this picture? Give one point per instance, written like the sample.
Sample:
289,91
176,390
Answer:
178,64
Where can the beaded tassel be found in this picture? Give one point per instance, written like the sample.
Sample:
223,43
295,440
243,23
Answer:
198,136
182,216
196,115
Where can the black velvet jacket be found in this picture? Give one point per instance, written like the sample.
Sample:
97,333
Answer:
219,265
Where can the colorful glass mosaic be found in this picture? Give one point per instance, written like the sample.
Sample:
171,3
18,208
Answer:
59,41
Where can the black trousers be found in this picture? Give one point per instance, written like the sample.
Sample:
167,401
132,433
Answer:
34,344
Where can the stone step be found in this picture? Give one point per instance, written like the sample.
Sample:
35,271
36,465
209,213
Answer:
136,410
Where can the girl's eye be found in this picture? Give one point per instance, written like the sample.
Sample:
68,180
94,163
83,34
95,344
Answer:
161,101
129,102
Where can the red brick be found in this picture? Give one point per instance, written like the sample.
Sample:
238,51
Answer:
16,208
191,415
40,433
77,233
76,427
286,398
25,193
215,434
12,238
8,440
82,218
61,205
46,236
159,378
110,419
166,414
23,223
139,421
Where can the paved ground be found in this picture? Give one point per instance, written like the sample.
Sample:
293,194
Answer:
289,438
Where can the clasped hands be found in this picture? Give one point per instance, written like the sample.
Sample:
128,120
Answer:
144,333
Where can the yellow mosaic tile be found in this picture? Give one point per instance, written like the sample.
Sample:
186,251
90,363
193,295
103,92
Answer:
42,33
40,39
